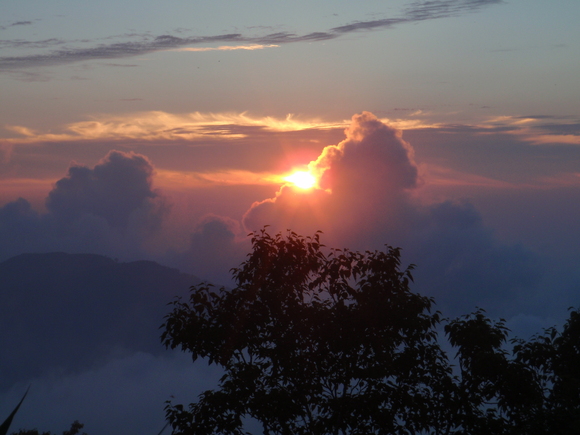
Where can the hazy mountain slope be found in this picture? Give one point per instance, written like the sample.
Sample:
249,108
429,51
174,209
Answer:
66,312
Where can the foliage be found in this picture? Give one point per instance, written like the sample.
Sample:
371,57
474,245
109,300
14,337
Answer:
316,341
75,429
313,343
496,392
554,359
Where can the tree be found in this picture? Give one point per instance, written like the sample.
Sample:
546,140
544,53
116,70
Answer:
75,429
314,343
554,359
497,393
317,341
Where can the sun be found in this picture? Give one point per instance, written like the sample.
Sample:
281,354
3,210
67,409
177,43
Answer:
302,179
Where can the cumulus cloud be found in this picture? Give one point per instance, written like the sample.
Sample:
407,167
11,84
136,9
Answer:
215,246
362,179
111,209
365,198
114,190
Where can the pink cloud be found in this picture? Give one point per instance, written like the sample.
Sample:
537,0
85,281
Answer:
368,185
362,180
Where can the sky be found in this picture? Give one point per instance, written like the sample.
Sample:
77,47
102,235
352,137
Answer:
164,131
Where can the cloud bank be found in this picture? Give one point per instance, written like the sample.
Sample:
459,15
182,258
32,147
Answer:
365,198
369,193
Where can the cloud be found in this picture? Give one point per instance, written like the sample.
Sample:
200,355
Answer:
114,190
21,23
535,130
110,209
22,43
361,177
434,9
158,125
420,11
125,395
373,189
204,126
366,198
116,50
227,48
179,180
16,23
416,12
215,246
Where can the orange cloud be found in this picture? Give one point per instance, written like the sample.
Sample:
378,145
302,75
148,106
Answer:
158,125
360,180
179,180
541,139
228,47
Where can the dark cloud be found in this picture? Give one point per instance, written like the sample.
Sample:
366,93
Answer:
110,51
417,11
15,24
570,128
111,209
21,229
114,190
368,25
434,9
215,246
22,43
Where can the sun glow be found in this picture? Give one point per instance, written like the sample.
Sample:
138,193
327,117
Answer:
302,179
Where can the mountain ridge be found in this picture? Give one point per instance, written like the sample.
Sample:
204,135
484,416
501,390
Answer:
63,312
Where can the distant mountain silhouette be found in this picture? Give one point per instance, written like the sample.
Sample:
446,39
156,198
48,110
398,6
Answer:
65,312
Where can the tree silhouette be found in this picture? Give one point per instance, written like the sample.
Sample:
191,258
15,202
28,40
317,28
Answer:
75,429
314,344
319,341
554,359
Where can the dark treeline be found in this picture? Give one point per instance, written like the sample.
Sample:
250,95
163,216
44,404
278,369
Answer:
322,341
74,430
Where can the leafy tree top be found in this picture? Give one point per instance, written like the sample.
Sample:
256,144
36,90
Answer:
313,342
322,341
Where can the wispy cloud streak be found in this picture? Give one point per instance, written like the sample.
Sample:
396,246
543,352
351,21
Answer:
228,47
416,12
159,125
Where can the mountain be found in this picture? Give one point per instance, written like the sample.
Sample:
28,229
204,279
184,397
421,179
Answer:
68,312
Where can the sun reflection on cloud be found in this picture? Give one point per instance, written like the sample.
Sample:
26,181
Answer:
184,180
227,47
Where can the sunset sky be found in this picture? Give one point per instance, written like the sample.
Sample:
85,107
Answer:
166,130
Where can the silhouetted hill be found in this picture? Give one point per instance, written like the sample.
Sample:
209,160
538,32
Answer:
62,312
